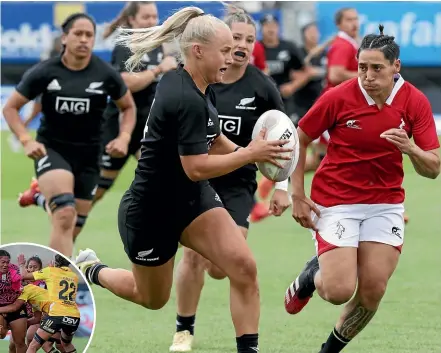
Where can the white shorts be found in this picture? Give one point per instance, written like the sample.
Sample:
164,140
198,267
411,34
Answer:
347,225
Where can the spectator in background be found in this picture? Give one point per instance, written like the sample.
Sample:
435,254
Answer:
305,97
342,61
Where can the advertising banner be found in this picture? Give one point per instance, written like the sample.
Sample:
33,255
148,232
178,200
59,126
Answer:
28,28
416,26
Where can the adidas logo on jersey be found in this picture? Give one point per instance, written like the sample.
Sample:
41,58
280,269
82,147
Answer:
245,102
210,122
93,88
53,86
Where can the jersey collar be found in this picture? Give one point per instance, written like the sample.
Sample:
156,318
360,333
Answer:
399,82
348,38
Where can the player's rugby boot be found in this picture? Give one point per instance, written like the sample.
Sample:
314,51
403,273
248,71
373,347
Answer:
301,290
182,342
27,198
86,259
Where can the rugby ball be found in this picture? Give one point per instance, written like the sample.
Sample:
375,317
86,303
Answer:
279,127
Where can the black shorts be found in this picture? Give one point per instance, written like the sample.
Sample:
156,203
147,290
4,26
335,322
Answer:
238,200
111,132
85,169
150,229
21,313
68,324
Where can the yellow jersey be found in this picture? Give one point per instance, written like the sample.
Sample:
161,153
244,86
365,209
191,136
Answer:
62,285
37,297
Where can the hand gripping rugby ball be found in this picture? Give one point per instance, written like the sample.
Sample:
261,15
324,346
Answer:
279,127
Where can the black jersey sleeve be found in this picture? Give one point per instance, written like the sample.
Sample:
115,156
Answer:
296,62
116,88
120,55
34,82
274,99
192,126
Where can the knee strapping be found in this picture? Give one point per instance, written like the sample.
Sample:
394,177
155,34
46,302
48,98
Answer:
54,340
60,201
81,220
105,183
39,339
66,339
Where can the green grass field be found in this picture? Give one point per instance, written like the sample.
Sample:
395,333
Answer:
409,320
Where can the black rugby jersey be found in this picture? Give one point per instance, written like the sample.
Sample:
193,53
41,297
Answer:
240,104
282,59
73,102
182,121
305,97
143,98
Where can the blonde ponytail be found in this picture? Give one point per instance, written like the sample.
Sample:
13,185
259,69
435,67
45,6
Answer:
186,26
144,40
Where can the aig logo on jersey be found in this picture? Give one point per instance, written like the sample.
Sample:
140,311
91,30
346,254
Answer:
70,105
230,124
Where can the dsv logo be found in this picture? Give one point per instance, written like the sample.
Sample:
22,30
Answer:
69,320
75,106
230,124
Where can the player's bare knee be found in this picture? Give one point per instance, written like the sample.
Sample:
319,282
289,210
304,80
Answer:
193,260
215,272
338,293
371,293
245,272
65,217
154,303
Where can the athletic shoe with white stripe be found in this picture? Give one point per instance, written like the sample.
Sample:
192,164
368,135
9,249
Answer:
86,259
301,290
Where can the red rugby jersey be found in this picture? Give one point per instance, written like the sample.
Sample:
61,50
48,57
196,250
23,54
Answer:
360,167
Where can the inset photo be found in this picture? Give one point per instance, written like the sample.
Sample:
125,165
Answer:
46,304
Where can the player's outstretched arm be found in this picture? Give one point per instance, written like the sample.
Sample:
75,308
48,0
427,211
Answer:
205,166
301,205
12,307
223,145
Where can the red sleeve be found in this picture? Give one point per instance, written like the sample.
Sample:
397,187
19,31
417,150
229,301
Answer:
424,128
259,56
340,54
320,117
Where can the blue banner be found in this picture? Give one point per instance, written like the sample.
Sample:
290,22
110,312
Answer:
415,25
28,28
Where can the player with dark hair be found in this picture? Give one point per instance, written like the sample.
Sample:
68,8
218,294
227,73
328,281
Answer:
358,225
63,314
142,83
30,265
243,96
10,290
182,149
74,89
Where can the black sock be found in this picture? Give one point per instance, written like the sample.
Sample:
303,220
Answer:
92,273
248,343
335,343
40,200
185,323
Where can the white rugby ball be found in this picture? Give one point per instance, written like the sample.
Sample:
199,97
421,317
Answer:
278,127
